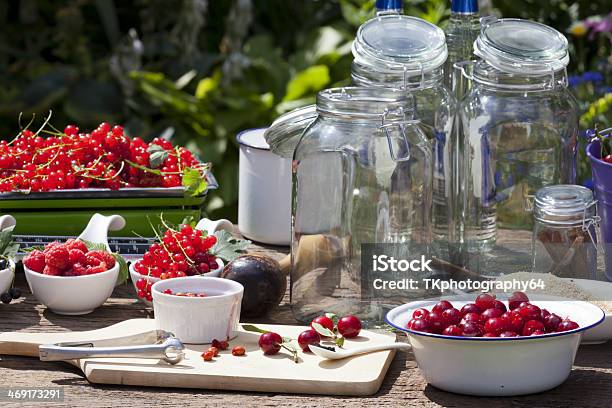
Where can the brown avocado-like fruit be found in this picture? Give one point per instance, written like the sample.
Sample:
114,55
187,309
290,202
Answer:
264,283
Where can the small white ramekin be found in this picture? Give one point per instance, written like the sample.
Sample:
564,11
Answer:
198,320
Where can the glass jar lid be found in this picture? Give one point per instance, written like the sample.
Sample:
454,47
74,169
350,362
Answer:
564,204
391,43
521,46
285,132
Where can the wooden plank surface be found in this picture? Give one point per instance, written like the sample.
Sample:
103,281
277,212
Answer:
589,385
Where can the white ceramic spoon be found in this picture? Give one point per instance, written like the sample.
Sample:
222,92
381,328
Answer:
338,353
97,229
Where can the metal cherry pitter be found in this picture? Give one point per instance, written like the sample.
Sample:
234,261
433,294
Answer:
161,345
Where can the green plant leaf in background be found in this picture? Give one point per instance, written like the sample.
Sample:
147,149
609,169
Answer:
309,80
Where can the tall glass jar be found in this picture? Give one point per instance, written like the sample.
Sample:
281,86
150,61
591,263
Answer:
362,175
564,234
398,51
519,125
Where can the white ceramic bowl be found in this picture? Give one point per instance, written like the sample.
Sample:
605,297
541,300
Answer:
198,320
135,276
6,277
498,366
72,295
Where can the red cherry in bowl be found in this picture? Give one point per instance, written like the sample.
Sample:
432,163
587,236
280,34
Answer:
421,325
532,326
451,316
567,325
349,326
270,343
453,330
471,329
551,322
496,325
323,321
420,313
485,301
470,308
308,337
442,306
516,298
490,314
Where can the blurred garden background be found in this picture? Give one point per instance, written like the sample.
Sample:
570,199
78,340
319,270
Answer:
199,71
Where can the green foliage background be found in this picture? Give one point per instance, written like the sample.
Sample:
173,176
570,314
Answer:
199,71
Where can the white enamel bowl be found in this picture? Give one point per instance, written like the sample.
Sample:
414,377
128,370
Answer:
72,295
498,366
135,276
6,277
198,320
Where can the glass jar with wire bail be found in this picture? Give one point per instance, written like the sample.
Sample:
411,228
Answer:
393,50
362,174
518,133
564,235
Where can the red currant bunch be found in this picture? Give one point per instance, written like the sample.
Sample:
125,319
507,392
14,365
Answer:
103,158
179,253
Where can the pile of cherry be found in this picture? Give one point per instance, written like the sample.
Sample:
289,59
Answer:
489,317
103,158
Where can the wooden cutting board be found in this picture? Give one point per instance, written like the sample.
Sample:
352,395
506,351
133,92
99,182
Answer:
360,375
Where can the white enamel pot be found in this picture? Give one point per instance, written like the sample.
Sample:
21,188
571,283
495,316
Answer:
264,197
488,366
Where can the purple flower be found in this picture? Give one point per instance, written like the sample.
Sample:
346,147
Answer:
574,80
587,134
598,24
592,76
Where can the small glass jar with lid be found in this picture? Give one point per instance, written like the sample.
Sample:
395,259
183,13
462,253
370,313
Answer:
564,234
519,127
362,174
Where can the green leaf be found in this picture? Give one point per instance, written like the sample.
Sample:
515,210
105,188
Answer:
194,182
340,341
34,248
123,268
322,330
11,250
6,240
227,247
157,155
143,168
333,317
94,246
310,80
252,328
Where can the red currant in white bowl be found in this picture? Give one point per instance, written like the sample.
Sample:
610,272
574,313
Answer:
179,252
532,340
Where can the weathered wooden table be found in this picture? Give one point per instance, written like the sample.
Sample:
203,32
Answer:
589,385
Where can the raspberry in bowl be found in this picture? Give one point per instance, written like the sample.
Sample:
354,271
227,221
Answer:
179,253
491,346
70,278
